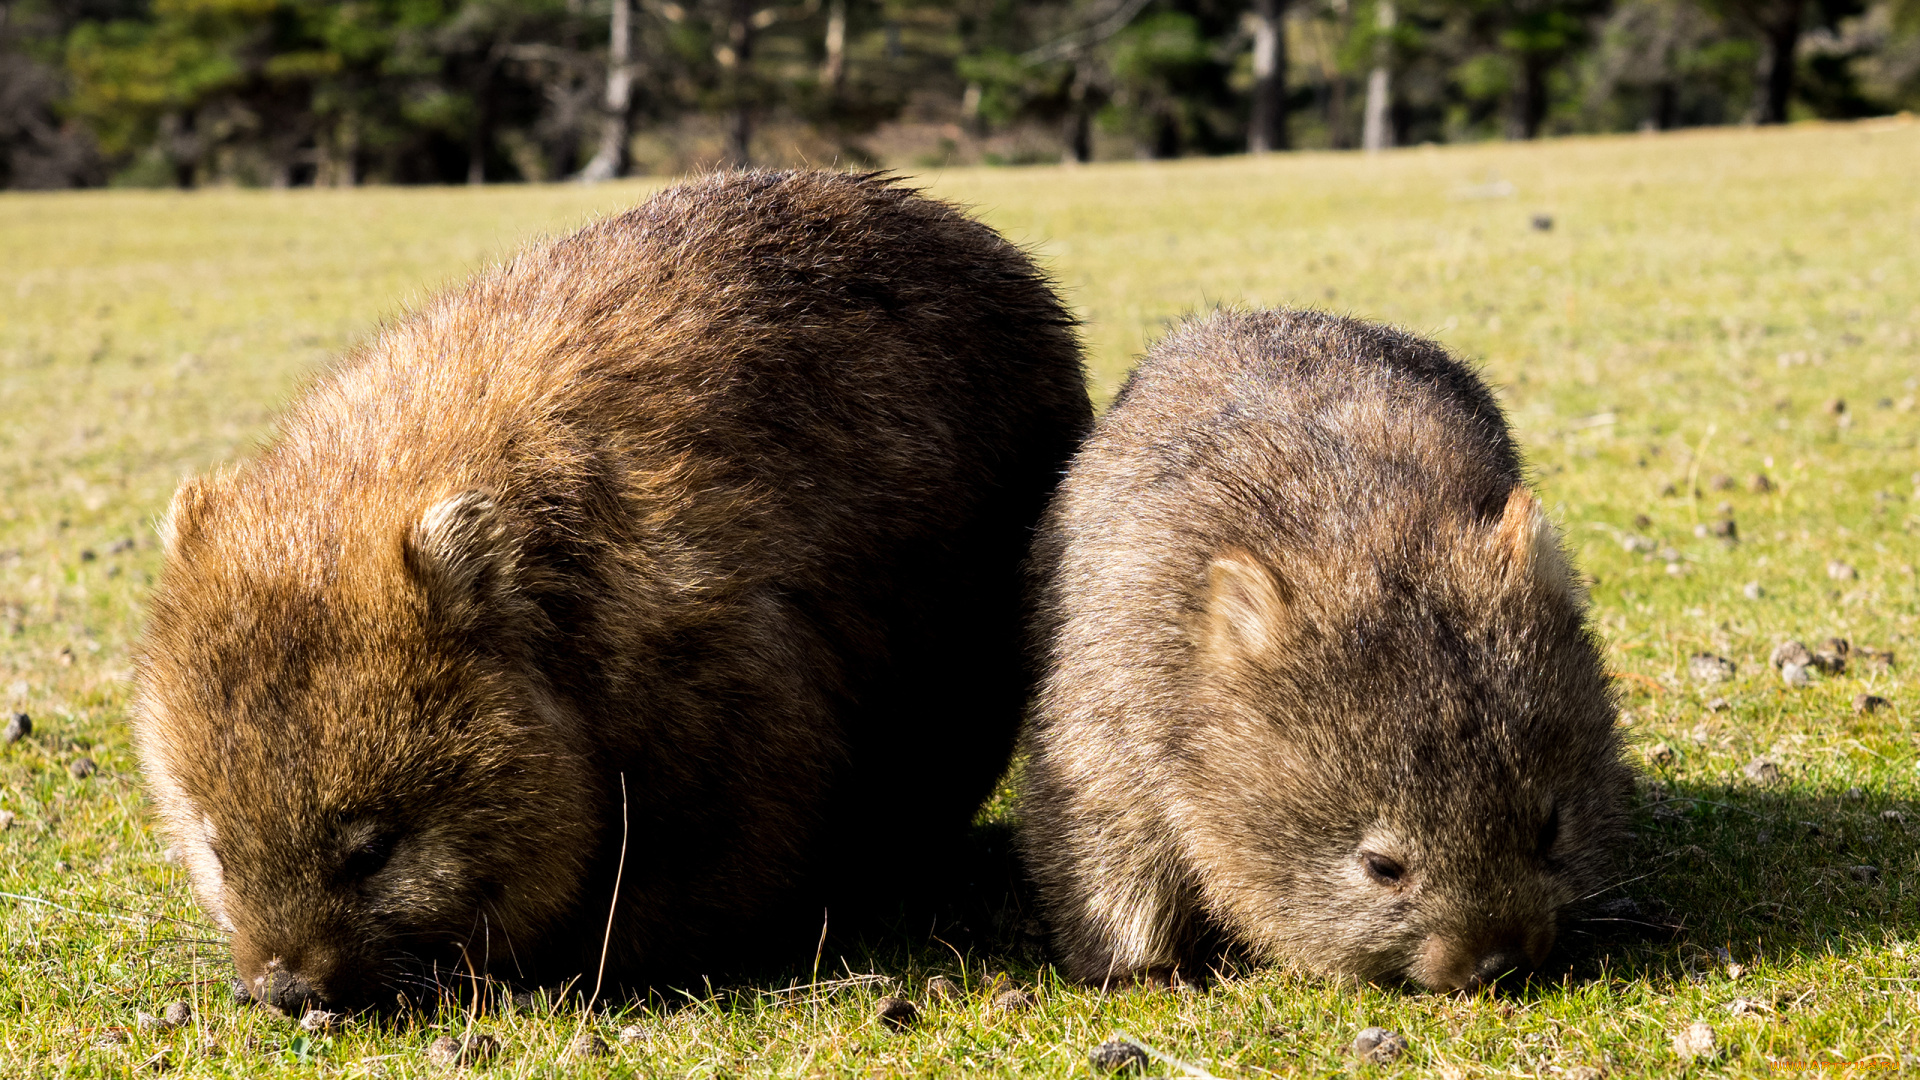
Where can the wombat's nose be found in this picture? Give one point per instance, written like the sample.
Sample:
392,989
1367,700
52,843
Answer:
1497,965
284,990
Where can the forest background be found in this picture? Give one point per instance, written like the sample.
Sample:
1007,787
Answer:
293,92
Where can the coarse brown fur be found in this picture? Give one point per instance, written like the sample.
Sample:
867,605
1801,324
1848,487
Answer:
1321,685
697,532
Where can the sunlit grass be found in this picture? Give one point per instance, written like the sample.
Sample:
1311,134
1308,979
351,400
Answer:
1687,321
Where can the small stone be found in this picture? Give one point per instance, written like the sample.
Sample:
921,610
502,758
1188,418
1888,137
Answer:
1894,816
1676,569
1378,1046
1795,675
587,1045
1866,875
1763,837
82,767
632,1033
1762,770
448,1052
941,988
896,1013
1857,794
1708,668
1753,590
1759,483
319,1020
1542,223
1700,531
1637,543
1117,1054
1014,1000
19,726
6,820
1695,1041
178,1014
1725,529
1834,406
1841,571
1718,704
1790,652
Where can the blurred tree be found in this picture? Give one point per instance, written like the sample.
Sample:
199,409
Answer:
1779,25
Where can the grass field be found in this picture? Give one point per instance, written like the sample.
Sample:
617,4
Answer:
1688,322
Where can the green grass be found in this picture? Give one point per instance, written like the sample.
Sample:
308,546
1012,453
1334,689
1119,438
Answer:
1697,300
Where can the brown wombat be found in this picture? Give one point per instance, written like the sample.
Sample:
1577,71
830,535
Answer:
1321,684
651,563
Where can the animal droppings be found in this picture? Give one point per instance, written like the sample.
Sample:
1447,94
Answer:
1753,590
1856,794
319,1020
146,1021
1378,1046
1894,816
82,767
1695,1041
1116,1054
448,1052
1868,703
178,1014
941,988
1762,770
1841,571
1759,483
1831,655
1583,1072
1790,652
241,995
632,1033
6,820
1721,482
19,726
896,1013
1873,659
1542,223
1015,1000
586,1046
1708,668
1795,675
1866,875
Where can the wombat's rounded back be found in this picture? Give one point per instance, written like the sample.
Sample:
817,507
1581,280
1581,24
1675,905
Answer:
1298,607
691,535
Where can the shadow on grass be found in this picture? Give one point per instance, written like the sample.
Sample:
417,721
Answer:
1779,873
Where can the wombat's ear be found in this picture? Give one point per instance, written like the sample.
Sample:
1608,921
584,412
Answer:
460,551
181,524
1247,607
1531,546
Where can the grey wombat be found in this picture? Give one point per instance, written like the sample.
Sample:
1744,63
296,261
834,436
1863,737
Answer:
691,537
1321,685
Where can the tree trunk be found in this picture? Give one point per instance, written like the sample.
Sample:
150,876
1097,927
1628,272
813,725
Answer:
610,158
833,73
739,52
1783,41
1528,108
1079,120
1377,132
1268,129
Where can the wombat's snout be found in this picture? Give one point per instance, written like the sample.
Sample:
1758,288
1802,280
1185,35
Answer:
283,990
1444,963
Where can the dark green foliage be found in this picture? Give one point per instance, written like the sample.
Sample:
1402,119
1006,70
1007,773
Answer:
282,92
